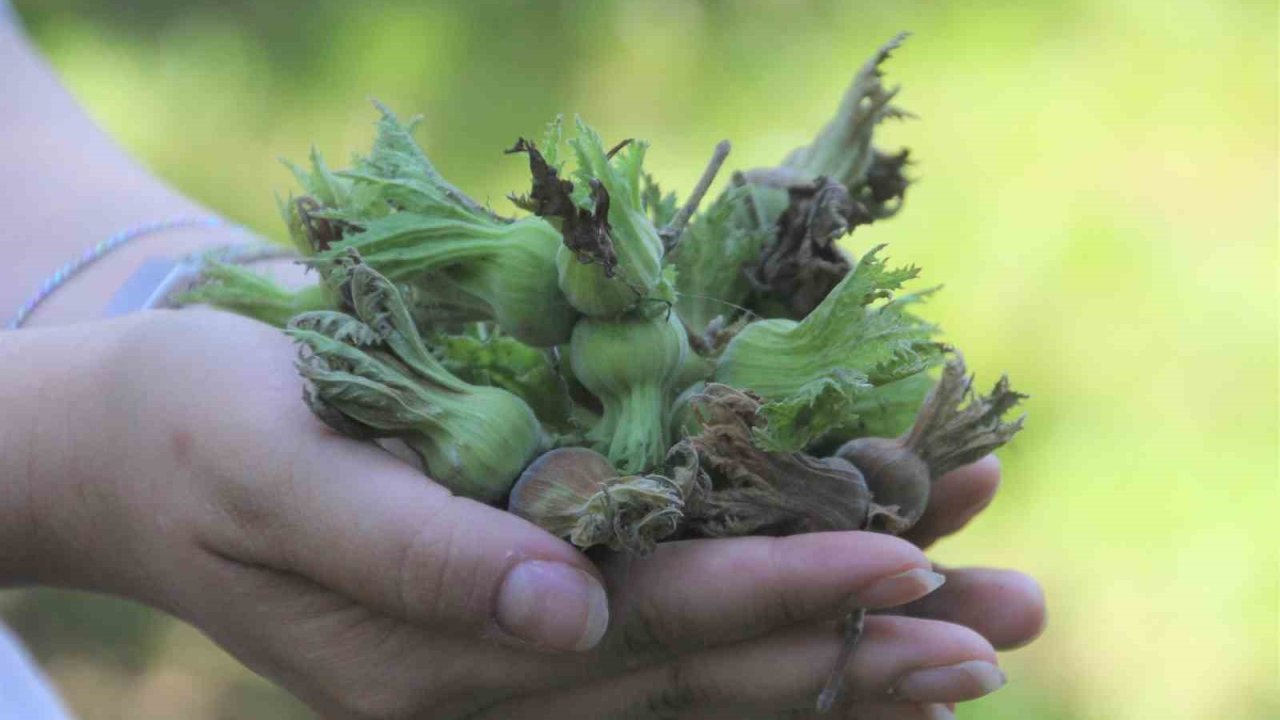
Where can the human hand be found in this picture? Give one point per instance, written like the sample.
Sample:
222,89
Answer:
201,484
914,661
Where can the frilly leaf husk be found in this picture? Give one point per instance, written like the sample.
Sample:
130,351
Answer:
634,513
630,514
947,436
754,492
572,493
900,471
842,149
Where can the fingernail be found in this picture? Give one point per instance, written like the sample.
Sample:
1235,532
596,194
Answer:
952,683
553,605
939,712
898,589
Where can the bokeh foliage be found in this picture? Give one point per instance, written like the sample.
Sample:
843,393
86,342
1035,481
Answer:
1098,190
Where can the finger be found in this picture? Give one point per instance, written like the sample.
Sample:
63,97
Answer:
904,659
1004,606
300,635
862,711
352,518
893,711
335,654
693,594
955,499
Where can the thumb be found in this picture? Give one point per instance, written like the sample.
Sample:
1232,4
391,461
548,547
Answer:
356,520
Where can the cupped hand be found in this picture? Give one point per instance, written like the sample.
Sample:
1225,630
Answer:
205,487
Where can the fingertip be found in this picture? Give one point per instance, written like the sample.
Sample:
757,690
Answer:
878,570
956,498
820,552
552,605
1029,616
897,649
981,477
1004,606
898,589
967,680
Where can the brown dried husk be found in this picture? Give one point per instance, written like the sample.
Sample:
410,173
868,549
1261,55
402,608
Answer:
803,263
754,492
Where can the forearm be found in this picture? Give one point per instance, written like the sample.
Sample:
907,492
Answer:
69,186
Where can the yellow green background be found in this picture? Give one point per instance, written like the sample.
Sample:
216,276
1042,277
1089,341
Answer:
1098,191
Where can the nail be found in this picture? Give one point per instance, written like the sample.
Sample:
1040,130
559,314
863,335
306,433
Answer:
898,589
939,712
552,605
951,683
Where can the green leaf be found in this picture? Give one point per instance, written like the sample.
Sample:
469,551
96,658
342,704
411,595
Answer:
887,410
397,175
661,208
551,139
822,373
501,361
620,174
379,304
319,181
793,423
711,260
849,330
357,380
332,189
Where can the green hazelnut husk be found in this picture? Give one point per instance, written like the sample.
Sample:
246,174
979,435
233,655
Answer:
631,365
370,375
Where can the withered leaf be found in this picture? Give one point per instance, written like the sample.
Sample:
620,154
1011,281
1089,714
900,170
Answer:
803,263
886,184
321,232
585,232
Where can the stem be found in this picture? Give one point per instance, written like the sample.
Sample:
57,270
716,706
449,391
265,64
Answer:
852,623
672,232
639,438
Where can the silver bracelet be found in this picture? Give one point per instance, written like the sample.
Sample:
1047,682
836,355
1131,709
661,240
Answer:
181,275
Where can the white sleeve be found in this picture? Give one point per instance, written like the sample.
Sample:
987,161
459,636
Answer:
25,693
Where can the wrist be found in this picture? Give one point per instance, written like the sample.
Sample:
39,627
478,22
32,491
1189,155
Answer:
94,292
33,376
59,497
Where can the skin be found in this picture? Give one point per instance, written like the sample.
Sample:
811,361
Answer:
166,457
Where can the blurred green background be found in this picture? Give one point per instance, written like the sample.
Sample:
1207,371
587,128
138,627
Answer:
1098,191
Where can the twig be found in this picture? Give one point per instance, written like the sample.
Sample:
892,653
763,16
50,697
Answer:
835,683
617,148
672,232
